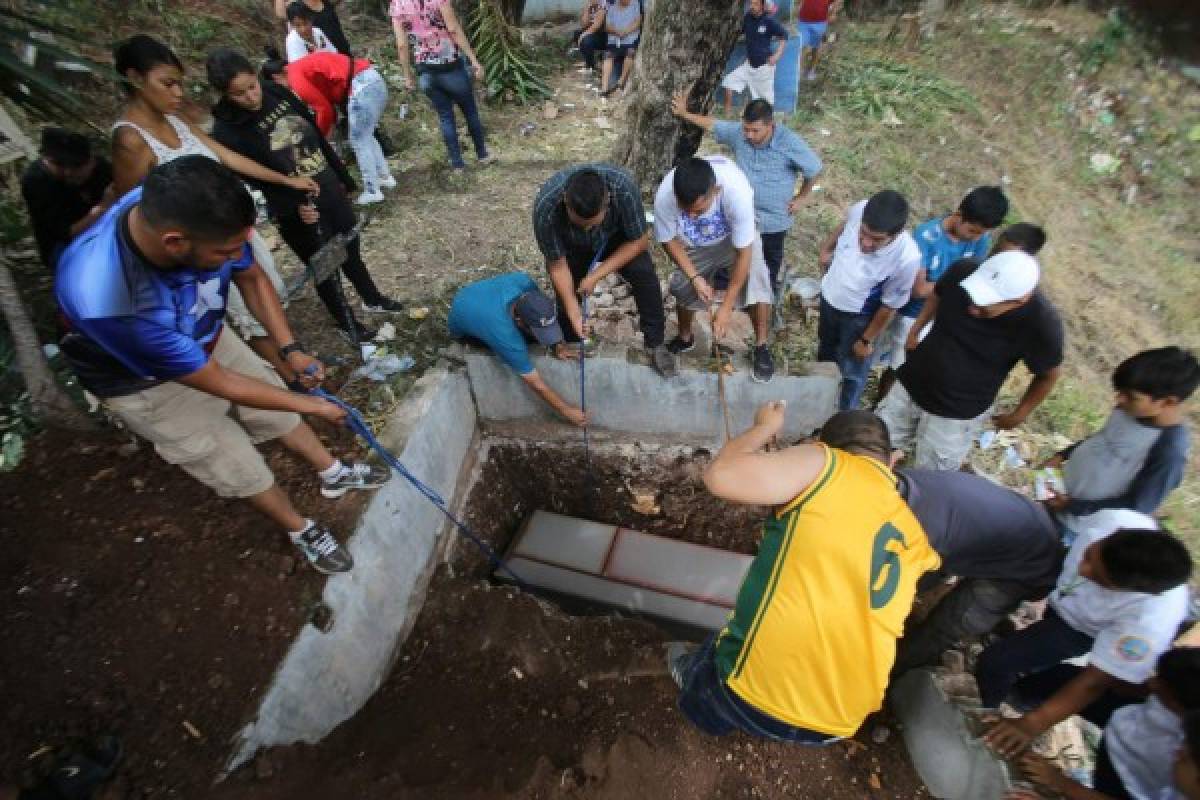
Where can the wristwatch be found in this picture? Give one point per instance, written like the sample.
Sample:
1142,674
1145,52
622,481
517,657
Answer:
288,349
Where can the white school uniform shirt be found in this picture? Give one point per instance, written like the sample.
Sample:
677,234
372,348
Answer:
859,282
297,48
1142,741
1131,629
731,214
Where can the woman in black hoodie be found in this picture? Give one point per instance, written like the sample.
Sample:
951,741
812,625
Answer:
265,122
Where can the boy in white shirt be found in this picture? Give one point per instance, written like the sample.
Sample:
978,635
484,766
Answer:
704,218
1120,599
304,37
1137,754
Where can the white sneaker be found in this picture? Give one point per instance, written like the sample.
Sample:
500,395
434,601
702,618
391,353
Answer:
387,182
367,198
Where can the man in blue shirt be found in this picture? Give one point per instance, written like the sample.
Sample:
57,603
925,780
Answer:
144,292
757,72
499,313
773,159
943,240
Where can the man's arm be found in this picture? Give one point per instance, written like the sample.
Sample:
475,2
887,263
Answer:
738,275
928,311
679,108
677,252
1009,737
243,390
1038,389
922,286
564,287
1161,473
263,304
616,261
1043,773
740,473
568,412
825,256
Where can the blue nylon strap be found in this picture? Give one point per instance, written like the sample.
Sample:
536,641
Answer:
356,423
587,453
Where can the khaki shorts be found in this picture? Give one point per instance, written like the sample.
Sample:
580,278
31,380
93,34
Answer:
711,259
236,312
209,437
759,80
934,442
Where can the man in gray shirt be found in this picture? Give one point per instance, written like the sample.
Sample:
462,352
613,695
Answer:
1002,546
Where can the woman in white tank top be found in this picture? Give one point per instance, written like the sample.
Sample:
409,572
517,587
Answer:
149,133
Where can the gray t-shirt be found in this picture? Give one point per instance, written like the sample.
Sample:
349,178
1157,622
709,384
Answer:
981,529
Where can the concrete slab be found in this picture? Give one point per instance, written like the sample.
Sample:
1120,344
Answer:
636,399
325,678
953,763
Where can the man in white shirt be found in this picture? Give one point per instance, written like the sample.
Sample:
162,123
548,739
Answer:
868,265
1120,599
704,218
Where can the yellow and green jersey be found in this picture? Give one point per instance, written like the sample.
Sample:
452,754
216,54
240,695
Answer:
812,636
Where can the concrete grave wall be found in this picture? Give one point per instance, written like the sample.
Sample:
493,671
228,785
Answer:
636,399
325,678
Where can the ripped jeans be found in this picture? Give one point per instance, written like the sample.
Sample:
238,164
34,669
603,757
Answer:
368,97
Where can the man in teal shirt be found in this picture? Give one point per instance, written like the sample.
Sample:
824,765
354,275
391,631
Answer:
503,313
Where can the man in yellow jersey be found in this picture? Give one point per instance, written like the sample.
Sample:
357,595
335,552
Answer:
806,653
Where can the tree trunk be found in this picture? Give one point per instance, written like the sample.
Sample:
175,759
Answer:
50,403
684,43
513,10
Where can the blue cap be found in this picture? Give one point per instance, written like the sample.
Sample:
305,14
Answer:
538,314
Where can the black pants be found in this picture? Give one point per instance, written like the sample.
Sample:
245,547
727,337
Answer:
337,216
1105,778
642,279
772,244
590,45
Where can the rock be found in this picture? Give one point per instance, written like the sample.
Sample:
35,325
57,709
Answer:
104,474
137,483
621,291
602,123
603,300
954,661
550,110
959,685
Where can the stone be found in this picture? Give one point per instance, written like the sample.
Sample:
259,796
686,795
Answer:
550,110
954,661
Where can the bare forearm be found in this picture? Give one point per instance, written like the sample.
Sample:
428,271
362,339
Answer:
1075,696
242,390
1039,388
878,322
678,254
263,303
738,276
621,257
549,396
564,286
825,258
805,187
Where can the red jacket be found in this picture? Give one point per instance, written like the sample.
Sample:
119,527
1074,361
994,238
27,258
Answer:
320,79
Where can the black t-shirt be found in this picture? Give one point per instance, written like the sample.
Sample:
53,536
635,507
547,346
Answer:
957,370
54,206
327,20
982,529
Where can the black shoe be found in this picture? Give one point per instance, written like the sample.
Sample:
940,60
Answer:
764,365
323,551
664,361
678,346
361,333
384,305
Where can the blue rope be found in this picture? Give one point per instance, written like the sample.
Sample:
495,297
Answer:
587,451
356,423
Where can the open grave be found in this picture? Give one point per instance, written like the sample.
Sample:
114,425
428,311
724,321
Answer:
433,661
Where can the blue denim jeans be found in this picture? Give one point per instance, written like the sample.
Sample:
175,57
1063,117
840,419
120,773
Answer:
368,98
837,331
445,90
714,709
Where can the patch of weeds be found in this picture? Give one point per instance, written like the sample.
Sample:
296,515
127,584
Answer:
1071,409
1106,44
889,91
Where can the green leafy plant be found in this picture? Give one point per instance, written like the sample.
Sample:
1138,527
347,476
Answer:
510,69
1104,46
891,90
25,85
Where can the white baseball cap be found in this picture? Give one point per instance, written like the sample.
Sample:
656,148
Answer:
1003,277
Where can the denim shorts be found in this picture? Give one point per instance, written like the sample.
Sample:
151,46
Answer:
812,33
715,709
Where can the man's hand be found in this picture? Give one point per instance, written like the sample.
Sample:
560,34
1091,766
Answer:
824,261
478,69
703,290
1009,737
1057,502
331,412
309,370
576,416
862,349
564,352
578,325
588,285
720,321
912,340
1053,462
679,103
1006,422
308,213
1041,772
770,416
797,202
303,184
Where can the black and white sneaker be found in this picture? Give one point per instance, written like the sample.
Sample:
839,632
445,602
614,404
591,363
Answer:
764,364
361,333
323,551
356,476
385,305
678,346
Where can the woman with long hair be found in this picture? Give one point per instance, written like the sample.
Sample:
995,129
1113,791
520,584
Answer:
150,132
264,122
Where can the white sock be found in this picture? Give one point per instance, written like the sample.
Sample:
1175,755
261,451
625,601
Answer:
334,472
308,523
